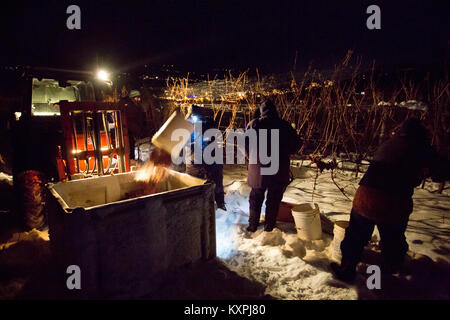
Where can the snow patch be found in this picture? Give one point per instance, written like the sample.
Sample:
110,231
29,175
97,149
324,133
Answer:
291,268
6,179
274,238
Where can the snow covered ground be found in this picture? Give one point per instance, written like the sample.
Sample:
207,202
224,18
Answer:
294,269
269,265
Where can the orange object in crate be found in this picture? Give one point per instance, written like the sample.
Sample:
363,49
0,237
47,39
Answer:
96,138
285,212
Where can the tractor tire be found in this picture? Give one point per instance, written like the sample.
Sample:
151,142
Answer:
32,198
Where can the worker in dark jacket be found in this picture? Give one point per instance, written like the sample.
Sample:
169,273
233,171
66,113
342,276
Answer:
384,197
211,172
275,185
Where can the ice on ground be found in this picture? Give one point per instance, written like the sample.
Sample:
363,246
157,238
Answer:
414,105
292,268
277,264
22,255
410,104
6,192
6,179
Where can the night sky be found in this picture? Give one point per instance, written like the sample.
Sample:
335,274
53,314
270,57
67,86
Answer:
203,35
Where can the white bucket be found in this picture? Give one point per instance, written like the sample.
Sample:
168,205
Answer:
338,236
307,221
163,138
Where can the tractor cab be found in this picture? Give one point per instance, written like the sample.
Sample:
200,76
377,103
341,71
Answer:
47,93
40,130
58,125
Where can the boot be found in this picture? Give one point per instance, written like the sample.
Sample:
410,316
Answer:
222,206
270,222
391,268
345,272
253,221
220,200
269,227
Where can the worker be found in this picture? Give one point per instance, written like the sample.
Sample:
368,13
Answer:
384,198
211,172
135,116
275,185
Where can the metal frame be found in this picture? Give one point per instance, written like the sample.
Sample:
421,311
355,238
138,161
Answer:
97,111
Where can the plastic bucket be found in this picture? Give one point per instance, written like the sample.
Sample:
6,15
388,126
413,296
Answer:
307,221
163,138
338,236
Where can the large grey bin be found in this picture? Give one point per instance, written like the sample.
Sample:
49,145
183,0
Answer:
124,248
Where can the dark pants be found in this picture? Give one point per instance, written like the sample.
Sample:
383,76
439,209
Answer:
359,232
132,143
274,197
213,173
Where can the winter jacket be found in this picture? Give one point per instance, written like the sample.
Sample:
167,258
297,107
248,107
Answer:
398,166
380,206
289,143
135,117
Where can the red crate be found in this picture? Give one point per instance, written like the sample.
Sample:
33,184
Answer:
285,212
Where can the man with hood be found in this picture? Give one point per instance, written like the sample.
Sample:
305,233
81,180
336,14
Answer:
384,197
211,172
275,185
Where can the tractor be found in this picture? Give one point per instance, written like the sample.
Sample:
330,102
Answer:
57,125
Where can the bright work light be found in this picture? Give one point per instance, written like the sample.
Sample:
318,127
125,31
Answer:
103,75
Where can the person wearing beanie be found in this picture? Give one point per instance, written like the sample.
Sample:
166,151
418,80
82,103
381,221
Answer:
275,185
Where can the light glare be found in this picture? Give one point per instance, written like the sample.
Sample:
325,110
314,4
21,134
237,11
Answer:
103,75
